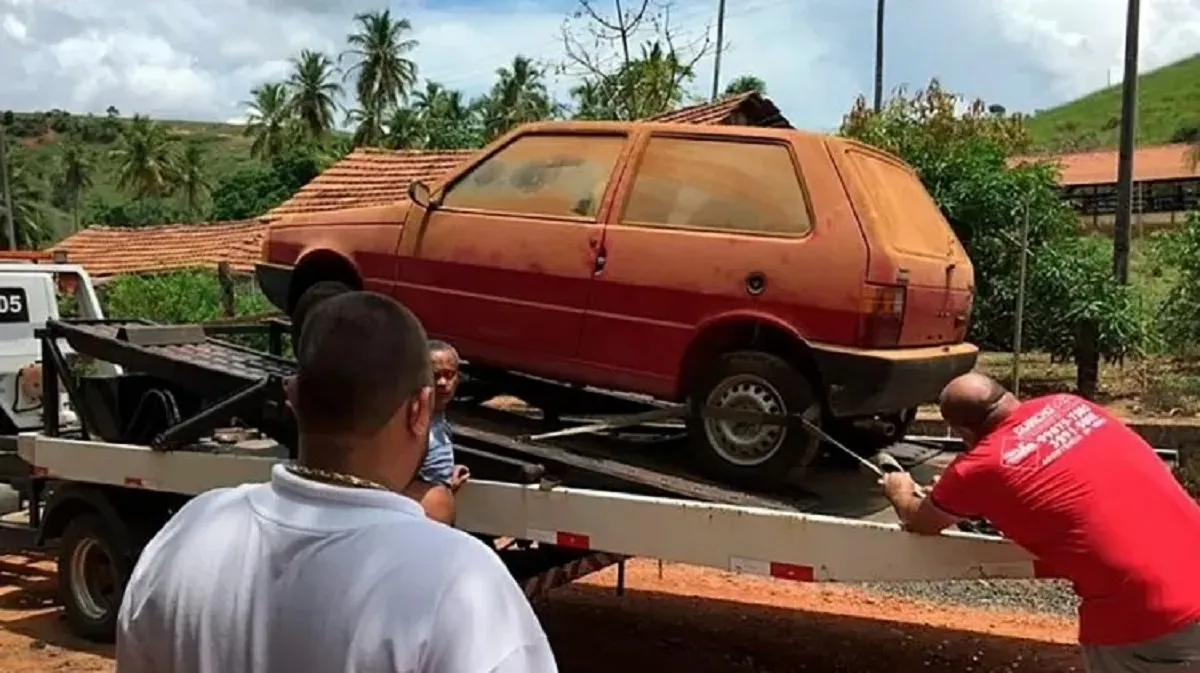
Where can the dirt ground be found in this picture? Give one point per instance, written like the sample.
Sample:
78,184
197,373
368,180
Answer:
692,619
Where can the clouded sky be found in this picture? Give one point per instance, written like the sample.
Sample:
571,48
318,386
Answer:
198,59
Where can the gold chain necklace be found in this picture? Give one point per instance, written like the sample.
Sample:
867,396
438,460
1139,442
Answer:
334,478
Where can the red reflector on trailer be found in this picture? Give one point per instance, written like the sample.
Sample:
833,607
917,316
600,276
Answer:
134,482
39,471
572,540
783,571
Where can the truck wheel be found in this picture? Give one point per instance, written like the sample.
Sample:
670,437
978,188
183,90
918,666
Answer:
752,454
93,568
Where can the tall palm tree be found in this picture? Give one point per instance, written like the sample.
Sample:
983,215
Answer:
383,74
519,96
29,219
314,93
145,164
269,119
746,84
192,179
75,174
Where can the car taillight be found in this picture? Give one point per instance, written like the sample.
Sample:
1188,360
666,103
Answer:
882,315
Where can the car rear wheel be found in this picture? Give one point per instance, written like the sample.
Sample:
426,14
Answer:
753,454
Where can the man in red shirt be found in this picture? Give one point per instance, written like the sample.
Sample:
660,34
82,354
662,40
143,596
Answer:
1088,498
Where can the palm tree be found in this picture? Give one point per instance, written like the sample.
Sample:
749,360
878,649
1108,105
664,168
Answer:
145,164
29,219
746,84
75,174
314,93
368,125
192,180
405,130
383,75
269,119
519,96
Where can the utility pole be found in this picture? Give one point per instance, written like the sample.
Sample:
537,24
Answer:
1124,215
10,230
879,6
716,87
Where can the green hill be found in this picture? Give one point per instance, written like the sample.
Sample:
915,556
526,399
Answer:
38,136
1168,111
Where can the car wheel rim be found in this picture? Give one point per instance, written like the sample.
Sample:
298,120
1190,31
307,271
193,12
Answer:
737,442
93,583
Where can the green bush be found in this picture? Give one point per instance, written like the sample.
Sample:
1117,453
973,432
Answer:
185,297
1179,315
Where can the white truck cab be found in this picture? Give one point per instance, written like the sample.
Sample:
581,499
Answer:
30,294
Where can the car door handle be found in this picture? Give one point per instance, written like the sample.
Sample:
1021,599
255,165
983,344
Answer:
600,261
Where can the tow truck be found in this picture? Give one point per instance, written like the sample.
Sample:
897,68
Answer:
136,418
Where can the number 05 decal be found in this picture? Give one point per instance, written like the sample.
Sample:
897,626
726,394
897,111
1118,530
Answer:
14,306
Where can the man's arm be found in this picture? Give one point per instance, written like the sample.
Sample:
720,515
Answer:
435,499
918,514
484,623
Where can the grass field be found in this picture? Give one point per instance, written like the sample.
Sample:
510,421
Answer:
1168,109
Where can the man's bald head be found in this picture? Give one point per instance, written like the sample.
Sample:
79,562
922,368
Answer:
975,403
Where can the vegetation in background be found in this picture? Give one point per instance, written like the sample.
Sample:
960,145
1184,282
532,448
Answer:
1168,111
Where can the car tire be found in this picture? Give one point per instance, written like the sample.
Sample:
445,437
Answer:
93,568
749,455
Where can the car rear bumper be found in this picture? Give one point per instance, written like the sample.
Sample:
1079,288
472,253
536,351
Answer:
862,382
275,281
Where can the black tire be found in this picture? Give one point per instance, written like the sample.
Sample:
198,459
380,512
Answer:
93,568
750,379
867,442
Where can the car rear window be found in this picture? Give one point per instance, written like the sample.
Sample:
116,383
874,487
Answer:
904,214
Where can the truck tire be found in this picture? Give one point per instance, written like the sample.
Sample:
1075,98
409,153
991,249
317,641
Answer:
745,454
93,568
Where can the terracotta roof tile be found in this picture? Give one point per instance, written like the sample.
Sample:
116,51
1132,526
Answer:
748,108
111,251
1161,162
370,177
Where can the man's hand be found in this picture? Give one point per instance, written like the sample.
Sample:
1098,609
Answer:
898,487
458,477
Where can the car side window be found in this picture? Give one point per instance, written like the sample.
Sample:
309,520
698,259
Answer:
728,185
555,175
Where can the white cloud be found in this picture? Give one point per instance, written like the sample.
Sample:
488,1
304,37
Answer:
193,59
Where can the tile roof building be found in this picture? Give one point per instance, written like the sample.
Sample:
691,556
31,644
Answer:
1166,185
112,251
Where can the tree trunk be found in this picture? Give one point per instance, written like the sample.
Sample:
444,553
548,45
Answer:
1087,358
228,296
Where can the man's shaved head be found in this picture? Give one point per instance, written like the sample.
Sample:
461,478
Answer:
975,402
308,301
361,357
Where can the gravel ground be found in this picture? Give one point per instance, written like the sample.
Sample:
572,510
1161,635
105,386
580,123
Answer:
1052,597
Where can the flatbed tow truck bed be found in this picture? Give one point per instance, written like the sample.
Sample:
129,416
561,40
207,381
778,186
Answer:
159,433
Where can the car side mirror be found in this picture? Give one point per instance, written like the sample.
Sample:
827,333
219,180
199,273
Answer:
418,193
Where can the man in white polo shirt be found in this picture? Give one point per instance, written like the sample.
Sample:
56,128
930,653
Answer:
328,568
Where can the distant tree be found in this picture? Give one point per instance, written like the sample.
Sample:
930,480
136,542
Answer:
746,84
192,180
9,118
383,74
268,120
75,175
145,163
28,193
314,94
405,130
368,125
519,96
112,111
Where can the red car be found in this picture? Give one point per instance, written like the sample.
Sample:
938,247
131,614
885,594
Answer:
761,269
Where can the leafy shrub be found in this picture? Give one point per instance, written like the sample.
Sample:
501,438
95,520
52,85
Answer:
185,297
